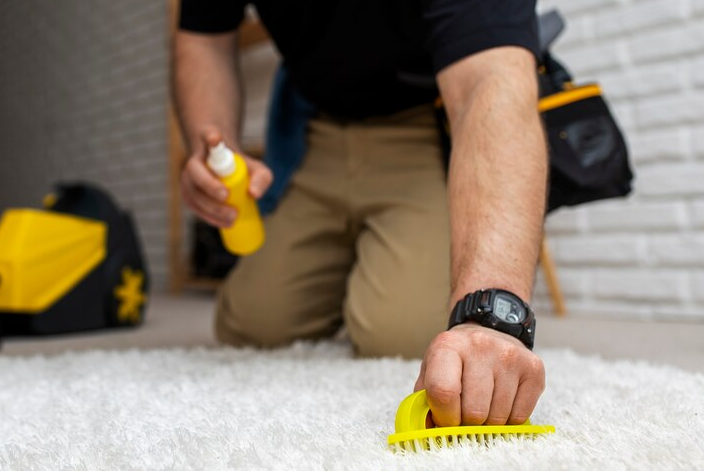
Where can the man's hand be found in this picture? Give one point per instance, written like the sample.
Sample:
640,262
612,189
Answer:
207,94
475,375
205,194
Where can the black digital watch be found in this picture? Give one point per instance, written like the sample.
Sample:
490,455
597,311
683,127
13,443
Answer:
497,309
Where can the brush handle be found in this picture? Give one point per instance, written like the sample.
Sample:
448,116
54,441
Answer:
413,412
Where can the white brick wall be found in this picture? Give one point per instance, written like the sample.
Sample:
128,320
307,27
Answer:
83,95
641,257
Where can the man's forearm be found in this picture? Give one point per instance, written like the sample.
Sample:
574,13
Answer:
206,85
497,184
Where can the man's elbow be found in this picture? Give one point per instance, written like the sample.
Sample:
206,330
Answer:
500,78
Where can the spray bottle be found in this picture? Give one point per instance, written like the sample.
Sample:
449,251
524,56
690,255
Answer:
246,235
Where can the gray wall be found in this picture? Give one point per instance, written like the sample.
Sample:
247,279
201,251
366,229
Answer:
83,95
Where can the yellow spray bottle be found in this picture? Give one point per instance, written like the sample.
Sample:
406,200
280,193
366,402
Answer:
246,235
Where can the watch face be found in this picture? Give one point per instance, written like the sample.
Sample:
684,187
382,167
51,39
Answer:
509,310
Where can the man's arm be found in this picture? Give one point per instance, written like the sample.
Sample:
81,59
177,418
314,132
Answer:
209,104
497,189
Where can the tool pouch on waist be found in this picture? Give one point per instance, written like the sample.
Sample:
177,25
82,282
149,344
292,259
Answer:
588,154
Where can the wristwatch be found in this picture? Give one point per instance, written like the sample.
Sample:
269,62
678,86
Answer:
497,309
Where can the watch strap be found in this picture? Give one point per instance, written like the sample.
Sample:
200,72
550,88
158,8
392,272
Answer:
460,312
476,307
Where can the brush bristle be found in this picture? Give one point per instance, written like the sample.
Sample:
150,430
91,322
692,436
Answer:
447,441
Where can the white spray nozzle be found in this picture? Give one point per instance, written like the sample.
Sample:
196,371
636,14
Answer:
221,160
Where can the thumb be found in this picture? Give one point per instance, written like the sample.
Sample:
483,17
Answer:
212,137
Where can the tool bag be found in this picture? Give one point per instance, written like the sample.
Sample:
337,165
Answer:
76,265
588,154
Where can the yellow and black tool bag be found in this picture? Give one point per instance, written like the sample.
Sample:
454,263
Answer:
588,154
76,265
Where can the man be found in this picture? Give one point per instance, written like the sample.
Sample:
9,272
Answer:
364,231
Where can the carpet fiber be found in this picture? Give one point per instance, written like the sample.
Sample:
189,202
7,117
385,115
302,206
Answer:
313,407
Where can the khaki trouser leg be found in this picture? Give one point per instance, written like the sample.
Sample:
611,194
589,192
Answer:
363,231
399,287
293,287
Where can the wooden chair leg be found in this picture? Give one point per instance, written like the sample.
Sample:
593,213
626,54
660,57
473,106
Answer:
558,301
177,154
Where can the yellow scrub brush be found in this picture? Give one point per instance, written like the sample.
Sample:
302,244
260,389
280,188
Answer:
412,434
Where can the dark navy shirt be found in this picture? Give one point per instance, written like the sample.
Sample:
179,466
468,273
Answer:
349,57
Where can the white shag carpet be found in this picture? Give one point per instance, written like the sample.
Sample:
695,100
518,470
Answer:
314,407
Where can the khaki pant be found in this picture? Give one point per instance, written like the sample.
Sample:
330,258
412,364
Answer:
361,237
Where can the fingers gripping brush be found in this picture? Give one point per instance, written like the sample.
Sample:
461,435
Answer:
412,434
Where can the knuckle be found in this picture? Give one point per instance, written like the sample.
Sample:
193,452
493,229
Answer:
534,374
537,364
509,354
518,419
475,416
444,340
214,188
537,367
481,340
496,420
217,211
213,210
442,395
540,384
205,206
224,211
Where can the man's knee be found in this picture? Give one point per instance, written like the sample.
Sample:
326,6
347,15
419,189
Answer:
243,319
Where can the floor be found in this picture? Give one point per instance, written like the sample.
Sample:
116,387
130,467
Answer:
186,321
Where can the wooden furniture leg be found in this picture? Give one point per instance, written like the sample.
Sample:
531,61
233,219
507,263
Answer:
177,154
546,262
